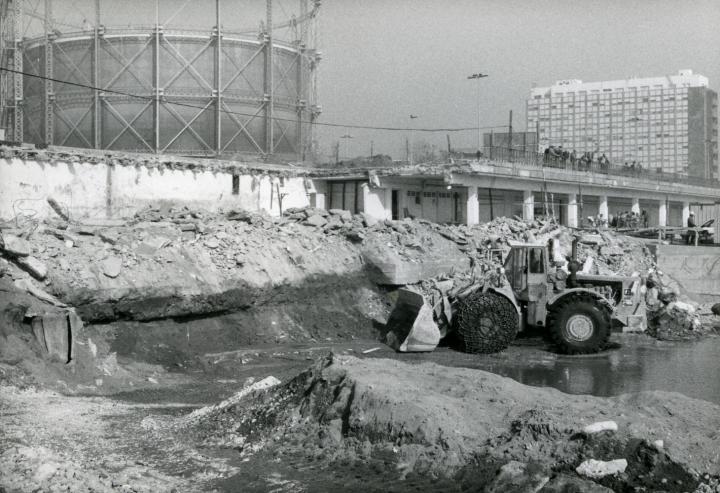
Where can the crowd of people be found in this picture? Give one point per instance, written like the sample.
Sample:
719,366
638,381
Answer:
557,156
624,219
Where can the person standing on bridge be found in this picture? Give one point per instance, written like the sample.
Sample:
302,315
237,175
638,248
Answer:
691,232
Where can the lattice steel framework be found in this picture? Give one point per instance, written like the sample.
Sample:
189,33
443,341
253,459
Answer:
161,89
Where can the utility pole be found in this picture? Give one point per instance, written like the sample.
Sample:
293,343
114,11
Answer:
347,138
477,77
372,150
410,146
510,133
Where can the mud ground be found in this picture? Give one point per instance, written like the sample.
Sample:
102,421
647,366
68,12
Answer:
116,442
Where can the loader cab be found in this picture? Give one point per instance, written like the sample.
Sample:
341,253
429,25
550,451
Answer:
526,268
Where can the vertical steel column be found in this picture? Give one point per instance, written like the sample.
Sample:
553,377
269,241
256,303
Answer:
97,137
156,78
302,64
18,116
218,80
49,95
269,89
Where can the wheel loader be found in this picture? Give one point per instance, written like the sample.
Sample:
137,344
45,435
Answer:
578,310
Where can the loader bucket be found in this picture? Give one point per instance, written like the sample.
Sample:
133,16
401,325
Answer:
411,327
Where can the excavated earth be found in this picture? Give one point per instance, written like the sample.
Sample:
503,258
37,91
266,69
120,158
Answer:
182,308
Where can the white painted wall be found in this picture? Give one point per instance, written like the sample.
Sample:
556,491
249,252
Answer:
26,185
84,189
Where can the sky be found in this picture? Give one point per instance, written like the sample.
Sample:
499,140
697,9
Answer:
384,60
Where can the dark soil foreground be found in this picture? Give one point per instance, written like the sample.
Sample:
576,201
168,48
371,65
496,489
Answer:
360,424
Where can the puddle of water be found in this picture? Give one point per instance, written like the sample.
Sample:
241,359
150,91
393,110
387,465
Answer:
637,363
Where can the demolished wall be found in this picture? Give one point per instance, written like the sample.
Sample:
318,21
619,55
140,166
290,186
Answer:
106,188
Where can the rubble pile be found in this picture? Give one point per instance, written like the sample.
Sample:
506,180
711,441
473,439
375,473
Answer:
180,251
669,318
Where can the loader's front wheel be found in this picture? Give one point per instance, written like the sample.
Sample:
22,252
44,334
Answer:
580,325
486,323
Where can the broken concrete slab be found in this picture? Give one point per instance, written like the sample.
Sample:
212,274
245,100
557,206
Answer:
39,332
57,336
111,266
597,469
16,246
111,236
29,286
211,243
34,266
315,220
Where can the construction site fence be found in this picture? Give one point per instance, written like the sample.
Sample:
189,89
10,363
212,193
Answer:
541,160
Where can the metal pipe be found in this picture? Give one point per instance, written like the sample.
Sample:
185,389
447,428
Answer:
97,138
49,57
269,89
218,80
156,78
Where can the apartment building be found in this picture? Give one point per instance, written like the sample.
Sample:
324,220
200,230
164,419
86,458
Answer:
668,123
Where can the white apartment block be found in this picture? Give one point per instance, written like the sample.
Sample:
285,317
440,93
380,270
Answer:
668,123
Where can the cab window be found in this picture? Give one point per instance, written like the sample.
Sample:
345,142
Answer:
536,261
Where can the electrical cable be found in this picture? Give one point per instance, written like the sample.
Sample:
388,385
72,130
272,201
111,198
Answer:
178,103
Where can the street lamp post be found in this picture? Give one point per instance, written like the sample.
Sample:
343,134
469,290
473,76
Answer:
410,150
347,138
477,77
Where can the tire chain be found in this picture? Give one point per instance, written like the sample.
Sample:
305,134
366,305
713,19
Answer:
493,306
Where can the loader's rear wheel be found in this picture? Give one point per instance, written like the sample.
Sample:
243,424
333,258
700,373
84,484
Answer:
486,323
580,325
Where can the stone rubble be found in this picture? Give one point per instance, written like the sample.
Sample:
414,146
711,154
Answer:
441,260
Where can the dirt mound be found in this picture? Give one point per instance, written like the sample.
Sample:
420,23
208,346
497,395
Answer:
433,419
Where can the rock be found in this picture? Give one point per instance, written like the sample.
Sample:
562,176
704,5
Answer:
337,212
35,267
240,215
45,471
592,239
600,426
517,477
564,483
211,243
316,220
69,243
187,227
355,236
109,236
334,222
314,211
145,249
29,286
596,469
611,251
368,220
111,266
16,246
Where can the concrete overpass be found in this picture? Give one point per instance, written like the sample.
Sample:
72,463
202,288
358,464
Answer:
476,191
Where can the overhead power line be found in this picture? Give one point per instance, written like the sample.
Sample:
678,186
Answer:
293,120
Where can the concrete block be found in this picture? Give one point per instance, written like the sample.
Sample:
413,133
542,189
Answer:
16,246
34,266
57,335
316,220
112,266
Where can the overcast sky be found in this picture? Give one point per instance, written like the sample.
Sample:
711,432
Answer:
386,59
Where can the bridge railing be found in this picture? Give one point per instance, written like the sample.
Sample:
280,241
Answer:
541,160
